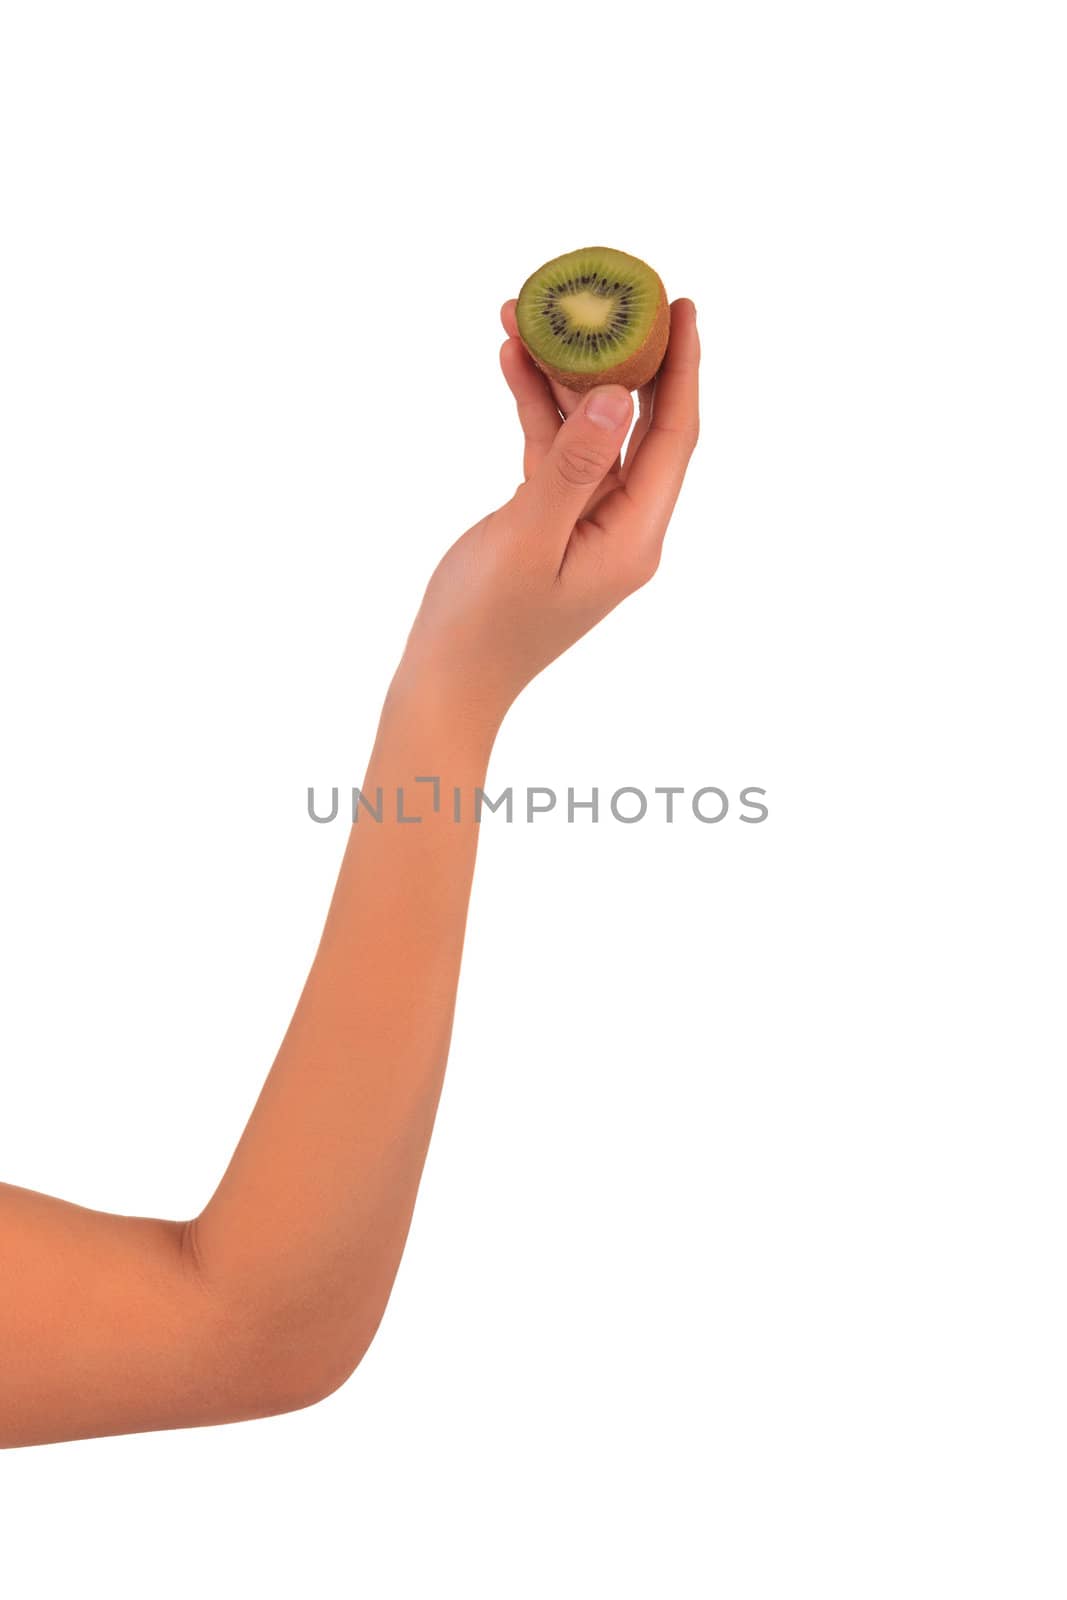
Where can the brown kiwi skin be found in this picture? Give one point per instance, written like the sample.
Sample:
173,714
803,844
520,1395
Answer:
640,366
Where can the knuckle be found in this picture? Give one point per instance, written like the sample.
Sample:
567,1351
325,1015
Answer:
581,464
643,568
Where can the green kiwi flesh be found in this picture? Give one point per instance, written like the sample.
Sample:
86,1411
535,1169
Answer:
595,316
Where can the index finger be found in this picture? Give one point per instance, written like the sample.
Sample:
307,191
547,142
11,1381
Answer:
566,399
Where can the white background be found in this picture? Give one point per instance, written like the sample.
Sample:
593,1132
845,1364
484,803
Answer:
738,1264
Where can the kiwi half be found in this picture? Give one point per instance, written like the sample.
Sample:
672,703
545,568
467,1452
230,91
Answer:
595,316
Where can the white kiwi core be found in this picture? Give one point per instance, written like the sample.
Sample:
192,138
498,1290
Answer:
586,309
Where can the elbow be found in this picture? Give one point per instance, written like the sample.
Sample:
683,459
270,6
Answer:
266,1360
276,1386
271,1350
277,1365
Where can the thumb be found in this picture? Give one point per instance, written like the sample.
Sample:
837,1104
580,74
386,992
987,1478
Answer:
583,452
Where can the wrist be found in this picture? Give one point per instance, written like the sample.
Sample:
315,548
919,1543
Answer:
439,716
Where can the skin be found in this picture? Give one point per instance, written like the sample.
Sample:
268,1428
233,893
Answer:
267,1300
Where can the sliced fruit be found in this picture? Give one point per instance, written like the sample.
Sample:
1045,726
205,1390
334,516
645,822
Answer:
595,316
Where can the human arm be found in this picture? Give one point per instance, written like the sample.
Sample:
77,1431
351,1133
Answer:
267,1300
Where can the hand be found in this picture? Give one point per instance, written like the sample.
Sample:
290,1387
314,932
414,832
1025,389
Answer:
528,385
583,530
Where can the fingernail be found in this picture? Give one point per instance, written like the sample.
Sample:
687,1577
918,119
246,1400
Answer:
608,408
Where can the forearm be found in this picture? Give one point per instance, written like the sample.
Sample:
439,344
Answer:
308,1224
267,1301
